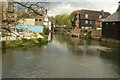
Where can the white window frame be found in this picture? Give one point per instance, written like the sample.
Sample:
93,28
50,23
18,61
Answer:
86,15
86,21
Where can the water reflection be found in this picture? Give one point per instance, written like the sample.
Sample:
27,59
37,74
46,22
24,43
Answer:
62,57
50,36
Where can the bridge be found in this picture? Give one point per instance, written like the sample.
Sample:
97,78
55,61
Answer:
60,28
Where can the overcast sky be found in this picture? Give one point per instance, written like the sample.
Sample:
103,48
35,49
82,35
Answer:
56,8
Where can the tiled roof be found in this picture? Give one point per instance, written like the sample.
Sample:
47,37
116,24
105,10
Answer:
93,15
115,16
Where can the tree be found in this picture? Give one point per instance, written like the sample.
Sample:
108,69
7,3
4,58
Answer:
72,18
29,8
63,19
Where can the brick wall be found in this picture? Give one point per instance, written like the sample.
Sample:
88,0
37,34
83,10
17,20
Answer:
95,33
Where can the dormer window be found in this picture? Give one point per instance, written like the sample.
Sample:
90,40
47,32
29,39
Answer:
36,19
86,15
40,19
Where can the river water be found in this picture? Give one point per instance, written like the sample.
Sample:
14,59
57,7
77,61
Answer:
62,57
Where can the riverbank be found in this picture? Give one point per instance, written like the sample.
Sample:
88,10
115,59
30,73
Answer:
90,37
23,39
24,43
110,41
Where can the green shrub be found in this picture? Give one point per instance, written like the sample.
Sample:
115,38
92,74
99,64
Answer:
24,43
46,31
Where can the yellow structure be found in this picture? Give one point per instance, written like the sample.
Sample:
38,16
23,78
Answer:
27,21
39,20
36,20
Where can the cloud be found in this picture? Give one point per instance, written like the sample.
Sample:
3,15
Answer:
57,8
66,7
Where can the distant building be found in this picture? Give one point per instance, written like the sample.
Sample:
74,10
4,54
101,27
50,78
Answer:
32,20
88,18
31,23
39,20
111,26
46,20
8,13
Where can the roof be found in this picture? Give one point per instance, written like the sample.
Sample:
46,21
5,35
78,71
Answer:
115,16
93,15
32,16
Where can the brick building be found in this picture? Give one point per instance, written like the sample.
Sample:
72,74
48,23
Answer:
88,18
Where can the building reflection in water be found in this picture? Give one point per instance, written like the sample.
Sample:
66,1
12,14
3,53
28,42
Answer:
83,47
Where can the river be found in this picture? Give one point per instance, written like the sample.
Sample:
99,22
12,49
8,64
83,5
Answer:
62,57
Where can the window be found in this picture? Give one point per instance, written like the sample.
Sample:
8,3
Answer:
90,22
36,19
83,27
106,24
86,22
86,15
41,14
113,23
40,19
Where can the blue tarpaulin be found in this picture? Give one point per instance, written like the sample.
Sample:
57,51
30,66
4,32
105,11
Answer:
30,28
